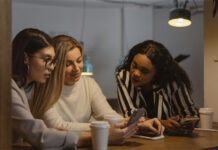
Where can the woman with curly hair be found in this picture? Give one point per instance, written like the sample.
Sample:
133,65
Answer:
151,79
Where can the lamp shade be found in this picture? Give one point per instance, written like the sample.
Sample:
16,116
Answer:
179,17
87,67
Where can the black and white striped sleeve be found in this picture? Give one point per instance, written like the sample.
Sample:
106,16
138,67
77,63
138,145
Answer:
123,92
183,101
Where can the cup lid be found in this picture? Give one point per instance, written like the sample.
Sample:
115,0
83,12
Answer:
113,117
100,124
206,110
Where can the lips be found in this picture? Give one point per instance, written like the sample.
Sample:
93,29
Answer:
75,75
47,76
135,79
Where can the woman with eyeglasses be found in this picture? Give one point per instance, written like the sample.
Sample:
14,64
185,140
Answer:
151,79
32,63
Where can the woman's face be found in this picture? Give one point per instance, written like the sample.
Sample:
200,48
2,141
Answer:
74,66
40,65
142,71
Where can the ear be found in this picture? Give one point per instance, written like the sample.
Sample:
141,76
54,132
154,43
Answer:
26,58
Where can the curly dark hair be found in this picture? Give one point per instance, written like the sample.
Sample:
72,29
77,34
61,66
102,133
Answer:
168,70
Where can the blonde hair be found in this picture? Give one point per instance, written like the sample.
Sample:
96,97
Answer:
46,95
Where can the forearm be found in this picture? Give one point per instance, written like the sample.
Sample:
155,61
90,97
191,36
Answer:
53,120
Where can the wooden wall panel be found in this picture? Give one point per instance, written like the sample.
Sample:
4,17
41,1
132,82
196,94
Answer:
5,74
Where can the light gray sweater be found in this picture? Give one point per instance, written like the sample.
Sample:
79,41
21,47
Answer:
78,102
34,131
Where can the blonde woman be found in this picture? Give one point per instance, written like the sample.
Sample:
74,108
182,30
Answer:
81,97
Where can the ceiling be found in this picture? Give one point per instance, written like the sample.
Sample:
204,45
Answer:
114,3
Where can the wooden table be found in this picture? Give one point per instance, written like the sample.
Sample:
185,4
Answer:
202,140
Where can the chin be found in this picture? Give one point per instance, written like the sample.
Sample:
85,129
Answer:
137,84
43,81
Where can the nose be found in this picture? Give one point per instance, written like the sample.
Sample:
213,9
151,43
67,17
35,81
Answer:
51,67
136,73
75,67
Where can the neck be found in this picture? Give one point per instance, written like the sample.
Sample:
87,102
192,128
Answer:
147,88
28,81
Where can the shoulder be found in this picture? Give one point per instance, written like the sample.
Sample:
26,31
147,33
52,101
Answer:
174,86
87,81
14,84
123,74
18,94
14,87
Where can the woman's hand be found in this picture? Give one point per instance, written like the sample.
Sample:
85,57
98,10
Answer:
173,127
151,125
119,132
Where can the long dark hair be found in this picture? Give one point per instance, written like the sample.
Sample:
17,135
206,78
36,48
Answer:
168,70
27,41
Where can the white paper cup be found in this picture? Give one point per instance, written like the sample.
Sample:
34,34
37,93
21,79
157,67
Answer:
206,117
99,131
112,119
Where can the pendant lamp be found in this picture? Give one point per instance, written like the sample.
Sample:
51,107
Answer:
180,17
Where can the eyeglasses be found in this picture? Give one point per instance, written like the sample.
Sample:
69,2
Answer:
48,61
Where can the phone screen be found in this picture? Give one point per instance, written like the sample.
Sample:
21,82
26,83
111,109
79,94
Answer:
135,116
189,121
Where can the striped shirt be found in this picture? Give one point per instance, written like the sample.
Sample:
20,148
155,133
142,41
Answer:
169,101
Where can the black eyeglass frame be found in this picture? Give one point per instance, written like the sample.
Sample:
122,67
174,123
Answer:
48,63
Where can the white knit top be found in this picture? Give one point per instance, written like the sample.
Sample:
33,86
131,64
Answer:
77,104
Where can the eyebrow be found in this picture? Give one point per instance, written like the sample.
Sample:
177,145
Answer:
144,68
46,55
79,57
76,59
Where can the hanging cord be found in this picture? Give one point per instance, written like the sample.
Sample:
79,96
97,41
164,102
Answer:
196,6
186,2
83,21
176,4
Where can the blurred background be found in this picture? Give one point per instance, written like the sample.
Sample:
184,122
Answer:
109,28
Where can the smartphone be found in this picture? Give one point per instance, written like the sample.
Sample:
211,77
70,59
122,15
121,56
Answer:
187,121
135,116
157,137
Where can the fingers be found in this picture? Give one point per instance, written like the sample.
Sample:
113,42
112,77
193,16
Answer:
158,125
129,134
174,123
142,119
154,130
162,130
119,125
130,130
125,120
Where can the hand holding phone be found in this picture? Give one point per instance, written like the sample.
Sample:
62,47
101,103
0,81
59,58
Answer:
189,121
135,116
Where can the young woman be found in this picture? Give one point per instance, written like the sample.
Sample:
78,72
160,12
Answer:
81,97
32,63
150,78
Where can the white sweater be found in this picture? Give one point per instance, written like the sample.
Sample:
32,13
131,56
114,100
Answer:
77,104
